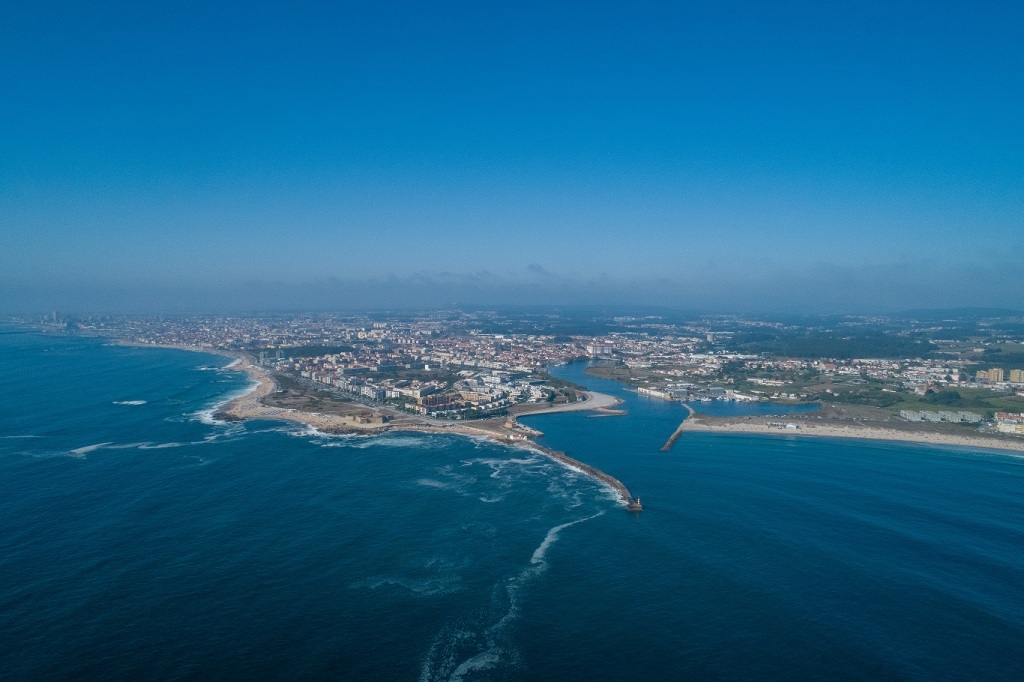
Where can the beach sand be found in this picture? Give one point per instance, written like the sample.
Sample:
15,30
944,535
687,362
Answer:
594,401
875,431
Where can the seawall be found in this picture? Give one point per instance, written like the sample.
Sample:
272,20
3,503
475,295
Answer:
679,430
615,483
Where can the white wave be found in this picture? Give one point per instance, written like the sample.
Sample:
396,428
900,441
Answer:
496,461
492,644
234,363
323,438
499,465
126,446
11,437
129,402
552,537
299,430
286,429
440,485
405,441
225,433
492,500
206,415
373,440
608,491
482,661
86,449
110,445
573,497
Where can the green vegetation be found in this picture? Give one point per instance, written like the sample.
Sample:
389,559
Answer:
1003,356
873,396
560,383
978,400
952,398
832,345
613,372
286,382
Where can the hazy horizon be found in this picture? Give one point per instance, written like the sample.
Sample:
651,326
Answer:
734,156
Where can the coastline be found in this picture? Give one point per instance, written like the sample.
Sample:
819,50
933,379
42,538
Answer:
807,429
594,401
249,405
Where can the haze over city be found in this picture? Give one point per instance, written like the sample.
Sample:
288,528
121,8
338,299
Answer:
738,156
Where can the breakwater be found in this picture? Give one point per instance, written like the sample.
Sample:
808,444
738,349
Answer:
679,430
632,503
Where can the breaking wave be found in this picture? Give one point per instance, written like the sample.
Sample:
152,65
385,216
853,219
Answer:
86,449
469,650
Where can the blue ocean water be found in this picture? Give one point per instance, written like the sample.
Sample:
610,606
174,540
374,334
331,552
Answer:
139,538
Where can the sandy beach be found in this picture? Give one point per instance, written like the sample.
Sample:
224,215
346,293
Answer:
759,425
594,401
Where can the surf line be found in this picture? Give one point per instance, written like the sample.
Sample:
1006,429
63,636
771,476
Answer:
679,430
632,503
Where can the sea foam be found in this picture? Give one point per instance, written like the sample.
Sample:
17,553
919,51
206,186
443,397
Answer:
86,449
492,643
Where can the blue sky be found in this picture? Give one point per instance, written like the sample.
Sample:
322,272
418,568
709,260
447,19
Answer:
734,155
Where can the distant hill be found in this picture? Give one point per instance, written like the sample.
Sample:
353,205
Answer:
958,313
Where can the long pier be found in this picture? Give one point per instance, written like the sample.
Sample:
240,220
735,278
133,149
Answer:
632,503
678,432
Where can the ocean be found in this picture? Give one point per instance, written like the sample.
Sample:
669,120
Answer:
140,538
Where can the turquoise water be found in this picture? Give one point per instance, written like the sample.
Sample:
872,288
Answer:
142,539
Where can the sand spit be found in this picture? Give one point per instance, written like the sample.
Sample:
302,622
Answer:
805,427
593,401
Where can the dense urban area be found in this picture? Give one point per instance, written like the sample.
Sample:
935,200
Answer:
958,367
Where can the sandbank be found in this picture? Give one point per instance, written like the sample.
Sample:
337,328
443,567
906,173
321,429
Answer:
877,431
593,401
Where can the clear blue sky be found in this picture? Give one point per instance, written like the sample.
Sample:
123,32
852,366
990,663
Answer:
810,155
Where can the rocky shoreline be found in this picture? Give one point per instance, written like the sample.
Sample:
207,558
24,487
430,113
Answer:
250,405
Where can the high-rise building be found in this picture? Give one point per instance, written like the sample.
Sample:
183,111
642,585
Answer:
1017,376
